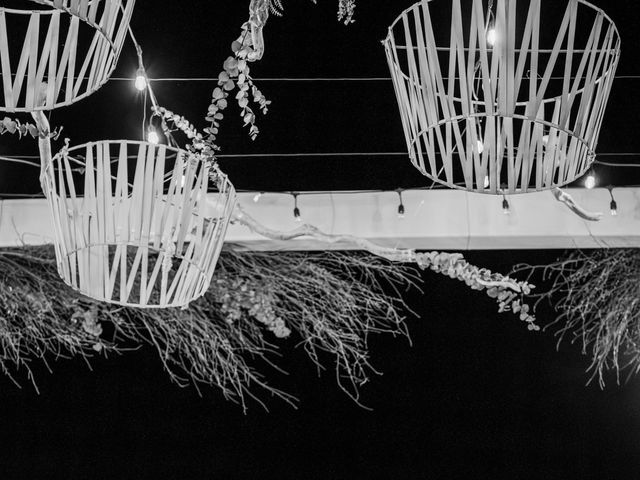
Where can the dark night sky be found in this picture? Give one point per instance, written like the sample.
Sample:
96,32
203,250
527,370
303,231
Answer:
476,396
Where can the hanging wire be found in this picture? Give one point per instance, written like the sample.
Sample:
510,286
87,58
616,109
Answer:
151,95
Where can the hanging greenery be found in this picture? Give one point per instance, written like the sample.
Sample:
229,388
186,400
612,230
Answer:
346,9
14,126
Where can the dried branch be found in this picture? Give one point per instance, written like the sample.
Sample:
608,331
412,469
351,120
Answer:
568,200
330,303
509,293
597,297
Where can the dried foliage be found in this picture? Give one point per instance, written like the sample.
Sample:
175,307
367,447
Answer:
597,298
15,127
330,303
346,9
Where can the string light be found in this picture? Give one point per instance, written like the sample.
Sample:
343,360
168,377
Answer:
492,36
590,181
141,80
296,210
400,206
506,209
256,197
613,205
152,136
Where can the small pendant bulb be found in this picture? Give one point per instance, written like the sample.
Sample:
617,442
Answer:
152,137
506,209
296,210
401,209
141,80
492,36
613,205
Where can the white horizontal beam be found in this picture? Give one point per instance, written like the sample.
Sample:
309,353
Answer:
434,220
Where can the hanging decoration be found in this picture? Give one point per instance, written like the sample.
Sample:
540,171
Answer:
502,100
346,9
53,63
329,303
510,294
150,239
596,297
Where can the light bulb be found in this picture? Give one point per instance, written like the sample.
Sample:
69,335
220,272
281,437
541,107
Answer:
257,196
401,211
505,206
152,137
141,80
545,140
590,181
486,181
480,146
296,214
614,208
492,36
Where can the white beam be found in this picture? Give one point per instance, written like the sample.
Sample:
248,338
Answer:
434,220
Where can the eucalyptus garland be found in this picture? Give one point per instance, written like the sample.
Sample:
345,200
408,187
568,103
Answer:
24,129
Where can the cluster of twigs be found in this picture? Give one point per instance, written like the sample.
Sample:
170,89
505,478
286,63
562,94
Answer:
597,299
330,303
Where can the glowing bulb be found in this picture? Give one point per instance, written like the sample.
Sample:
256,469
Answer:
152,137
486,181
590,182
141,80
492,36
545,140
257,196
480,147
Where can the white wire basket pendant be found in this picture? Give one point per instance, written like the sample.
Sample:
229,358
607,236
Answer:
59,51
134,224
503,97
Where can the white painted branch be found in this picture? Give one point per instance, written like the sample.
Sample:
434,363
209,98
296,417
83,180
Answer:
453,265
393,254
568,200
258,15
44,144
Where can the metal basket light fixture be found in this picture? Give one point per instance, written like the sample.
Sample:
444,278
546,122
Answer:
134,224
506,97
59,51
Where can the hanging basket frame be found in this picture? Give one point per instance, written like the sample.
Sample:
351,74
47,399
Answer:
61,69
485,118
143,233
